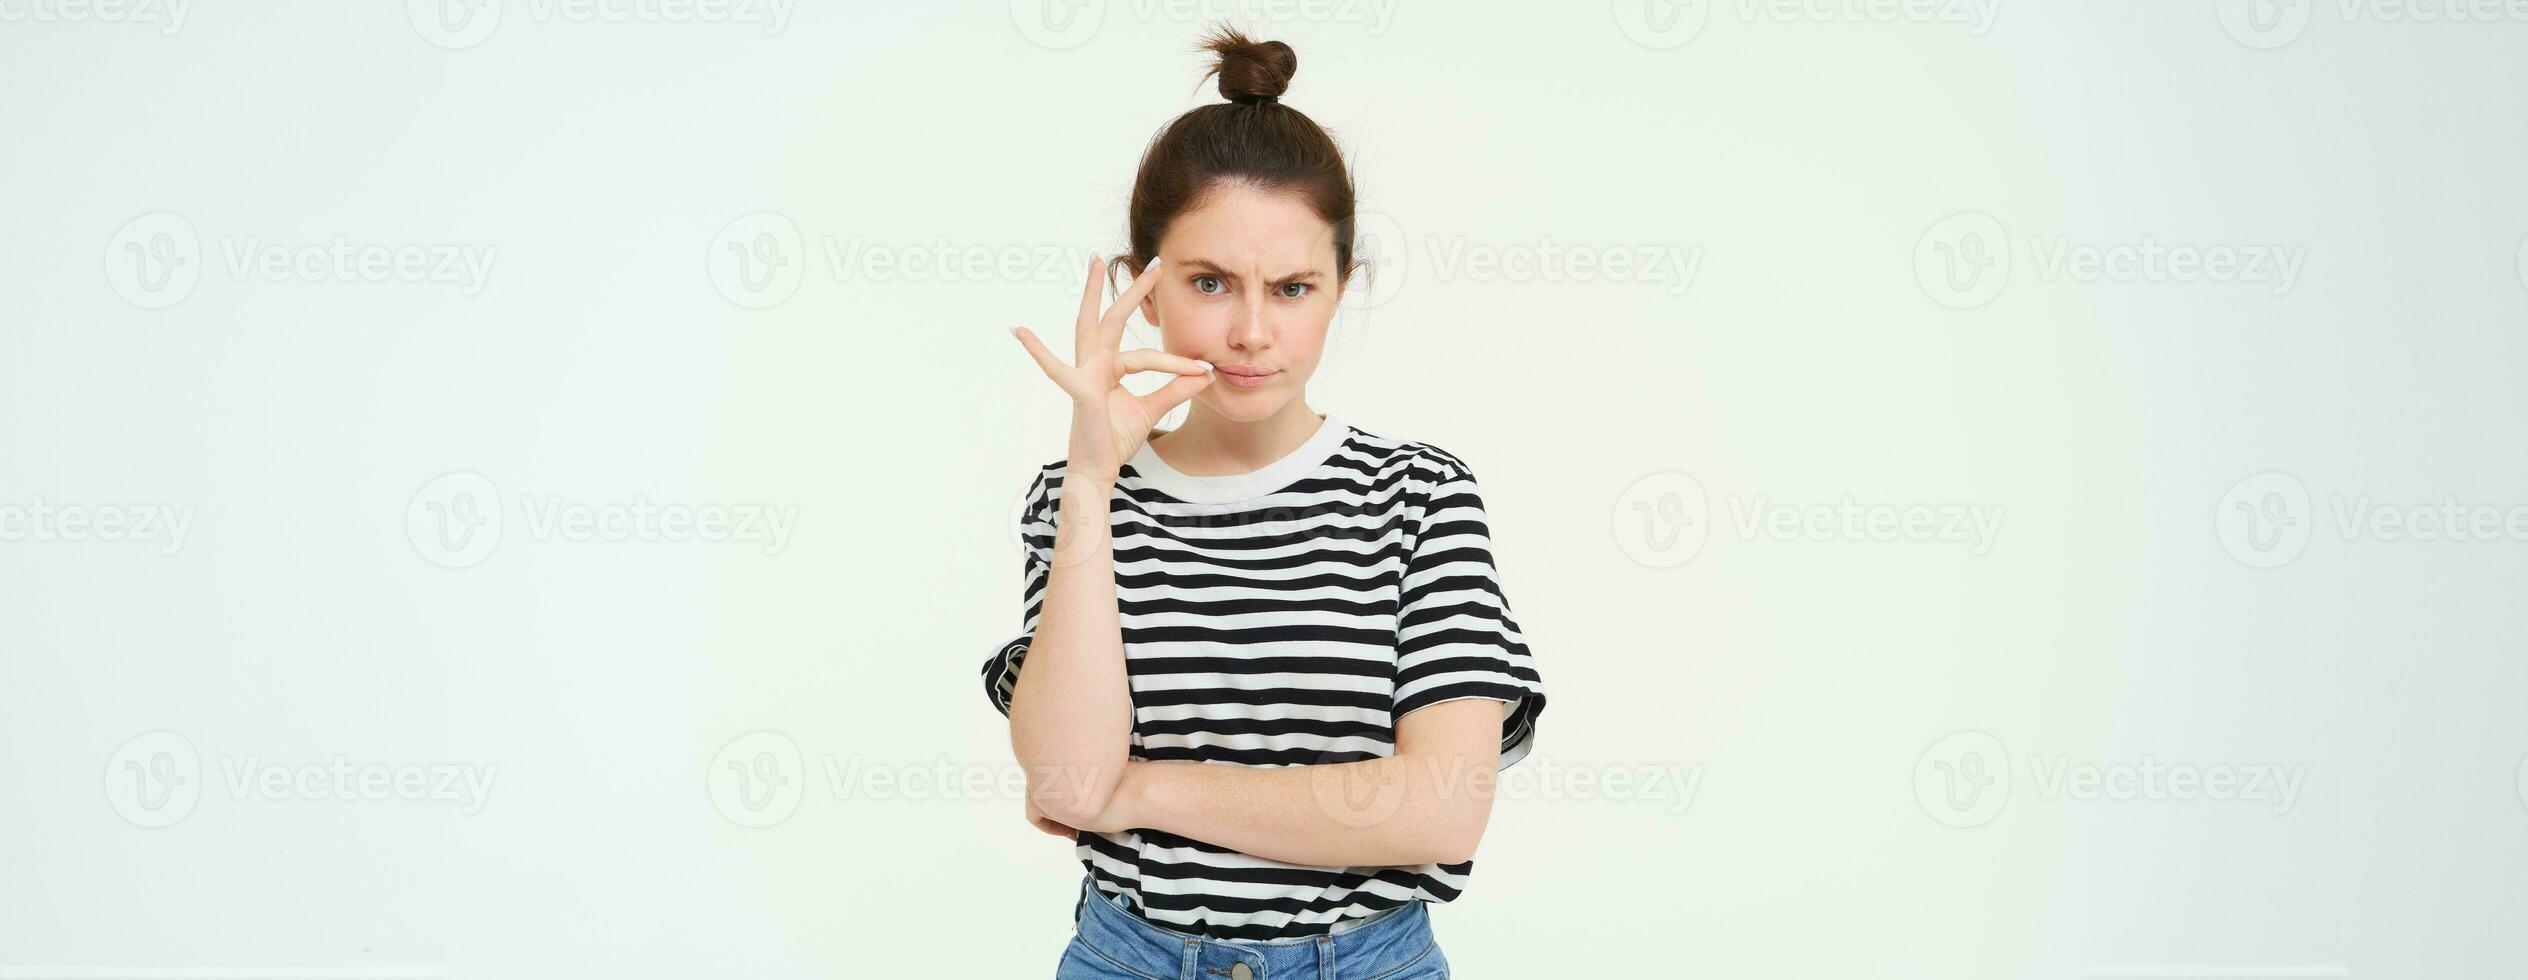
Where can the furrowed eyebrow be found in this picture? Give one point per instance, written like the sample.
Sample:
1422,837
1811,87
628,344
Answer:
1310,276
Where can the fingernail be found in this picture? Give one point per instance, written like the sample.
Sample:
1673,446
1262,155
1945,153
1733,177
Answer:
1154,263
1207,368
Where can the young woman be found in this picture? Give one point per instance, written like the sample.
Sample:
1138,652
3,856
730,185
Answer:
1307,607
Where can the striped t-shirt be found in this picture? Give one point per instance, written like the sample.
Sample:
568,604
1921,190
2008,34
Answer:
1287,616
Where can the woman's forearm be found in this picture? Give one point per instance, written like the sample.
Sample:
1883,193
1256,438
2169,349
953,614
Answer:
1070,712
1399,810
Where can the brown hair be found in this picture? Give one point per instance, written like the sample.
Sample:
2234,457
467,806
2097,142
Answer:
1251,139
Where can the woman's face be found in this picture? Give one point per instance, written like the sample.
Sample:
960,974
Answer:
1250,285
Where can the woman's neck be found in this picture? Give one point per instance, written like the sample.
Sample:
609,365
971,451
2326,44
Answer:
1211,444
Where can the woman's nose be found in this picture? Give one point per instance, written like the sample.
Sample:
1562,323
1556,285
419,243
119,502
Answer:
1251,330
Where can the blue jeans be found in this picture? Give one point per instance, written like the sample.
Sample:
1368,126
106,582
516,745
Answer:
1110,943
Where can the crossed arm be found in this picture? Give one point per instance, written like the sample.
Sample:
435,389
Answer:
1071,726
1427,803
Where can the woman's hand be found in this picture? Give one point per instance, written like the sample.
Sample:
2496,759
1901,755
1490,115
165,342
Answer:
1108,422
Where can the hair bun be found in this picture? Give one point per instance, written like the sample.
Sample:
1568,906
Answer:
1250,70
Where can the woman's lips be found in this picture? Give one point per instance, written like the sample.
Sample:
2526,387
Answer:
1244,377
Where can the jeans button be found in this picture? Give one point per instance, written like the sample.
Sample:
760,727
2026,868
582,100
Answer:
1238,971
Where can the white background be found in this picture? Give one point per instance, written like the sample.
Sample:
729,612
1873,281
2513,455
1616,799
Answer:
2149,605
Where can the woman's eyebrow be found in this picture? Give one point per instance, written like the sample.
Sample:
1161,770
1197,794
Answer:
1207,265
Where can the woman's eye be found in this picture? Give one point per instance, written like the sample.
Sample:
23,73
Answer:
1207,285
1294,290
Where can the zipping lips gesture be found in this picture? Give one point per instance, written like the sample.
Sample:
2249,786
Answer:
1108,422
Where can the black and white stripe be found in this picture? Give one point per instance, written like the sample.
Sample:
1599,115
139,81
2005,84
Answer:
1287,617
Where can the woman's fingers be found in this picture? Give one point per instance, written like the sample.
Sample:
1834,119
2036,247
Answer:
1053,366
1141,359
1113,325
1174,393
1084,335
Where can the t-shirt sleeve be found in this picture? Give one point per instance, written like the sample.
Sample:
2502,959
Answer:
1455,635
1035,535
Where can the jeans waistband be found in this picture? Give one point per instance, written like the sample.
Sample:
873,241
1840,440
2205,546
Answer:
1379,946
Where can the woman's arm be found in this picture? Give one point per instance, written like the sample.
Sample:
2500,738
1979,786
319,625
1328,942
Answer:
1427,803
1070,717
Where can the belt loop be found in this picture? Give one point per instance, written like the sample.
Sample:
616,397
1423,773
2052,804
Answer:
1193,960
1325,958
